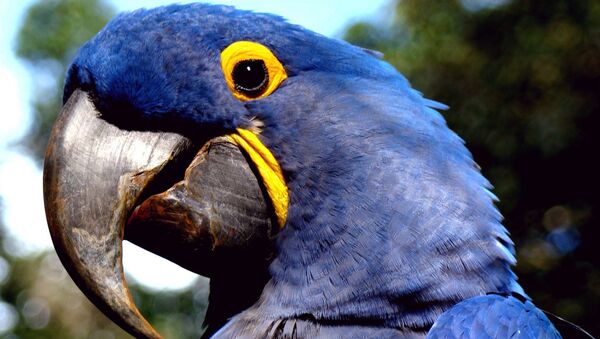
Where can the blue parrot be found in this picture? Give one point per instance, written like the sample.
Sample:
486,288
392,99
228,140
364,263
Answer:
323,196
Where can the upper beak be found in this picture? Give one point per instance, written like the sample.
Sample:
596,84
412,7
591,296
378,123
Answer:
162,191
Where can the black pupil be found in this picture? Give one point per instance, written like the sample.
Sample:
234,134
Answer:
250,77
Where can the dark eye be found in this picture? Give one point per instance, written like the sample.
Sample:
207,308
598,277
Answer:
250,77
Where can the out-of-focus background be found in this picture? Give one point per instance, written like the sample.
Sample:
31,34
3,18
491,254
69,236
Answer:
522,79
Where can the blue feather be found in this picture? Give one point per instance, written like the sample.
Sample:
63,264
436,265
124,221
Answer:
493,316
390,223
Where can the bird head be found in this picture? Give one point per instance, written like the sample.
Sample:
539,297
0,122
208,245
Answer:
236,144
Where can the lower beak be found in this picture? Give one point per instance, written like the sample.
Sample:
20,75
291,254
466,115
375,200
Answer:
160,190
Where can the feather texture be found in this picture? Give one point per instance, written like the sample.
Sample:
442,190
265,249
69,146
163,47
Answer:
390,223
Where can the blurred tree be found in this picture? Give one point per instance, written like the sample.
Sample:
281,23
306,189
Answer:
48,39
522,80
47,303
37,298
44,302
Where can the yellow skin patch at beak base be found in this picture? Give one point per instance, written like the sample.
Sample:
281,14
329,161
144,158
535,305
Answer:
268,168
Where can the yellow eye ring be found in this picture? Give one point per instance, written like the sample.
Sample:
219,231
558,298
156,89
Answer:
251,70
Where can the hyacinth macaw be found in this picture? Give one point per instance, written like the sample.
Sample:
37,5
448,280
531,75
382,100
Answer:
322,195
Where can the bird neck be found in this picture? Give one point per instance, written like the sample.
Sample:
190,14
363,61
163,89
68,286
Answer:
231,292
373,242
389,222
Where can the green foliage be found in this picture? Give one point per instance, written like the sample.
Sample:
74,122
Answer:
45,301
176,314
49,305
521,79
52,32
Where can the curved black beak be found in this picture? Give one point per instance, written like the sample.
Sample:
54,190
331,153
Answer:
162,191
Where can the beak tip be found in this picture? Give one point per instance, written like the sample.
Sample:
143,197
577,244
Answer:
86,209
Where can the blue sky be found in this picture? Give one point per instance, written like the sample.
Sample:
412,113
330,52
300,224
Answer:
21,179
